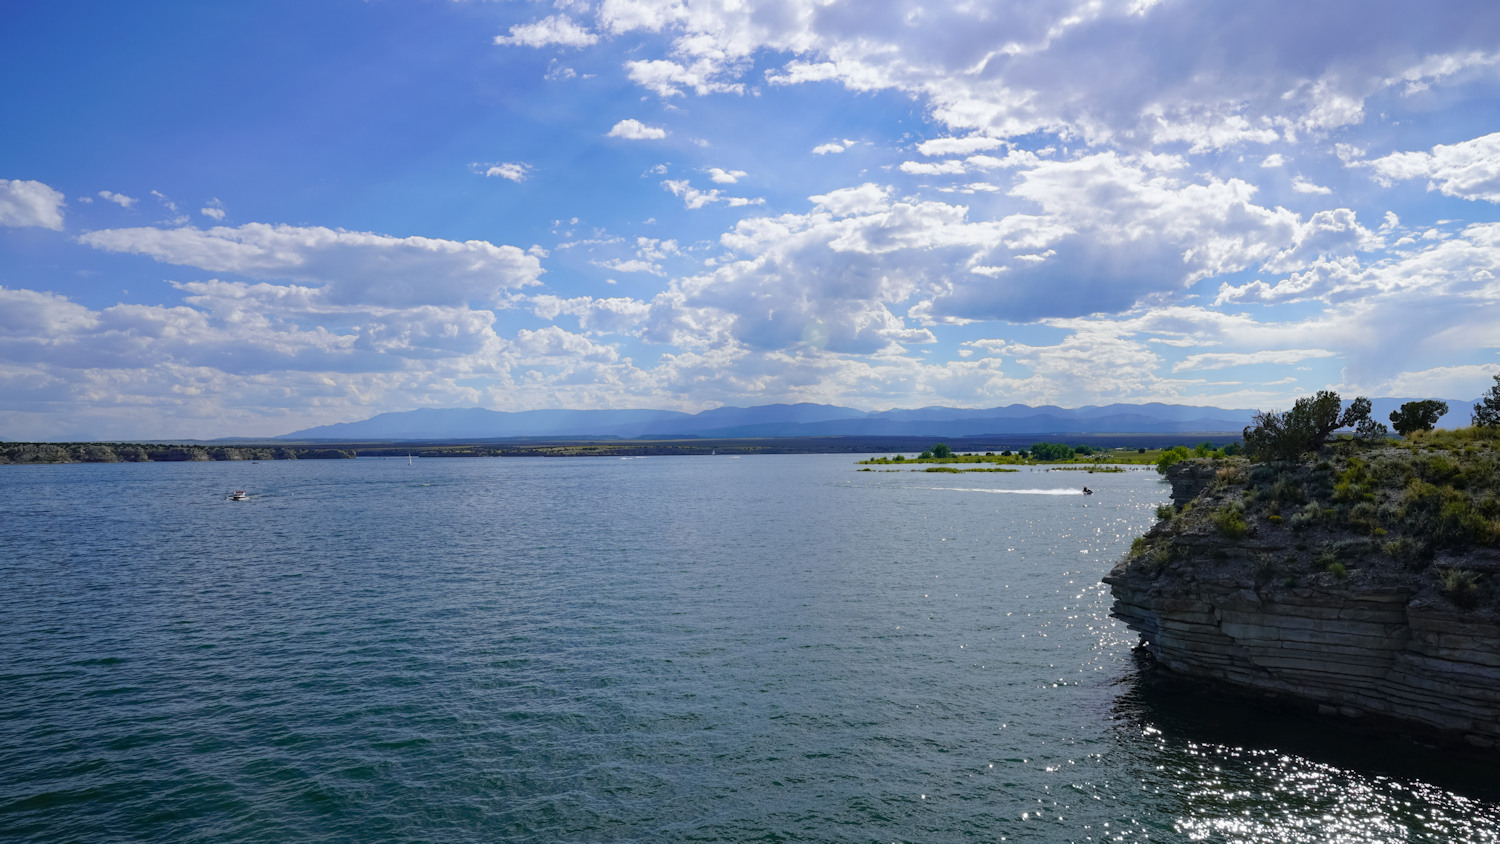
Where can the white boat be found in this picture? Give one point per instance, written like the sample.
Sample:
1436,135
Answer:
239,495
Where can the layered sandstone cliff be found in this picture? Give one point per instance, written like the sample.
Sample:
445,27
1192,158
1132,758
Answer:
1358,585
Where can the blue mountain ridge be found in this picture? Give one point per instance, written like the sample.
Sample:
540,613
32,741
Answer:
807,420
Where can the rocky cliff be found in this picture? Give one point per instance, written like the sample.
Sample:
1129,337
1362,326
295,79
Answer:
1358,585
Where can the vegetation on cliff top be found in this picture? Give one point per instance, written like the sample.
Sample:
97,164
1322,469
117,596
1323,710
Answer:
1423,514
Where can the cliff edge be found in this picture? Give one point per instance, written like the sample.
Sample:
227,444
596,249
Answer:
1363,584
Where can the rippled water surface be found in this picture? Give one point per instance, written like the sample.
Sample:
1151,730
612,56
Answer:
663,649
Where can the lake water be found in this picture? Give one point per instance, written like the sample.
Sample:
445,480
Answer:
776,648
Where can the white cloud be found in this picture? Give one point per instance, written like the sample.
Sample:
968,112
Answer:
668,78
631,265
612,315
932,168
354,266
959,146
1077,69
1468,170
26,203
1463,381
1301,185
557,29
1223,360
212,212
1438,67
1457,269
832,147
725,177
694,198
868,198
512,170
119,199
635,130
1275,159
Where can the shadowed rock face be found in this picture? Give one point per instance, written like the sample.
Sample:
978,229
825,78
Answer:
1257,607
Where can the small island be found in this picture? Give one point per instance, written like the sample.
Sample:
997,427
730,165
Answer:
1078,458
1352,576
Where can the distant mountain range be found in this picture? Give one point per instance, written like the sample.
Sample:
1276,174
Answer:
806,420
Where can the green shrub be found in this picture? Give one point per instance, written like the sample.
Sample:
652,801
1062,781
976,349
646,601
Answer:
1338,570
1288,491
1172,457
1324,559
1230,521
1436,469
1391,471
1363,516
1459,526
1460,586
1306,517
1409,552
1165,511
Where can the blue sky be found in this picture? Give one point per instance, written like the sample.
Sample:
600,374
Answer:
250,218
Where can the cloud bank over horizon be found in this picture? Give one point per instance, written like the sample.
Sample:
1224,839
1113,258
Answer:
698,204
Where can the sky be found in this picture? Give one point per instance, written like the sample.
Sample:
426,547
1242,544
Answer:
244,219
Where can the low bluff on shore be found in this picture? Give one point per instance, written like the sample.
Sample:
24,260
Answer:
1361,586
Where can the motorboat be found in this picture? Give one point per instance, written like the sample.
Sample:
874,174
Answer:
239,495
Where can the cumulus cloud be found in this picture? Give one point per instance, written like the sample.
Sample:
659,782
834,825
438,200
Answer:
725,177
832,147
610,315
635,130
1468,170
511,170
555,30
1078,69
694,198
1459,268
933,168
1301,185
27,203
959,146
631,265
669,78
353,266
1096,234
119,199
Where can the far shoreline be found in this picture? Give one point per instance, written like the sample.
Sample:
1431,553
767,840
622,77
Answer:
32,453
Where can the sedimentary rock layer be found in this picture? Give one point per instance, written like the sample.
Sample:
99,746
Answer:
1386,649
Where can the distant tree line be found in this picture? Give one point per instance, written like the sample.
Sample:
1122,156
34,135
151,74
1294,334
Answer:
149,453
